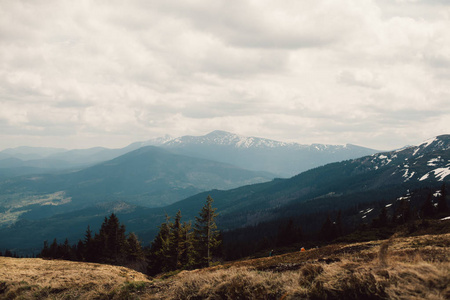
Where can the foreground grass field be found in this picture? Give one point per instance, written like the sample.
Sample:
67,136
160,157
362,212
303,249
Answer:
398,268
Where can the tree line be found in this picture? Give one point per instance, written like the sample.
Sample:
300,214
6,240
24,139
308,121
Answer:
178,245
291,232
110,245
426,207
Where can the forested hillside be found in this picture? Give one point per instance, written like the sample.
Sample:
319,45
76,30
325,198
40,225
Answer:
359,188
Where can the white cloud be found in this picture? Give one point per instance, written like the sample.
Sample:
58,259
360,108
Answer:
366,72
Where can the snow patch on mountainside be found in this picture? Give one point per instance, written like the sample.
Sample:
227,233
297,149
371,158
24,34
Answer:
439,173
407,175
424,177
434,161
429,142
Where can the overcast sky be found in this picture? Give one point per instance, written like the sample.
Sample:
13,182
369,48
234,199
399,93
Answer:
78,74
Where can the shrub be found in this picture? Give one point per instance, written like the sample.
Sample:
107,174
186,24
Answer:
308,273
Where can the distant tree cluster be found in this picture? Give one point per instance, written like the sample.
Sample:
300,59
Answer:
179,245
110,245
405,212
9,253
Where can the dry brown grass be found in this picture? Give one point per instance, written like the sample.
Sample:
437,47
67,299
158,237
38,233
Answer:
56,279
399,268
341,280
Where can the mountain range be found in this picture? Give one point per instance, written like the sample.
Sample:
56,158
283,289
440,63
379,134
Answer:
257,154
359,186
40,182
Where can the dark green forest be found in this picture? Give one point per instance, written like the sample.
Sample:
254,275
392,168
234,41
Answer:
183,245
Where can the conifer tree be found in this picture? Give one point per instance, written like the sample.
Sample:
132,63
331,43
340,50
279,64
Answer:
428,208
188,255
116,238
100,241
134,249
110,242
88,245
65,250
53,253
442,202
80,251
176,245
206,234
159,250
45,251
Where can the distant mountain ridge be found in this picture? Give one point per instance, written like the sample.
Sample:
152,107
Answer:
38,160
260,154
219,137
252,153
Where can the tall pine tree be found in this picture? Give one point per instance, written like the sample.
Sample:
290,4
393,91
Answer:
134,250
206,235
176,245
189,253
158,257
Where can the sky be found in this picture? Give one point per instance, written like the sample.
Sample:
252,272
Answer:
79,74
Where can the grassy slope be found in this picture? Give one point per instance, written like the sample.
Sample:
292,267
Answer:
399,268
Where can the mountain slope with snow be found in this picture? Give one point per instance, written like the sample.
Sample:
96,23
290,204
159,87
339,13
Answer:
427,161
259,154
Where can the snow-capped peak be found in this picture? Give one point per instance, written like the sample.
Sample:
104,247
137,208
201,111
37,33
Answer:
441,142
223,138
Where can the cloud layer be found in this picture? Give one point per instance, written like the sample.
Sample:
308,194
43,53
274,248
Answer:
87,73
